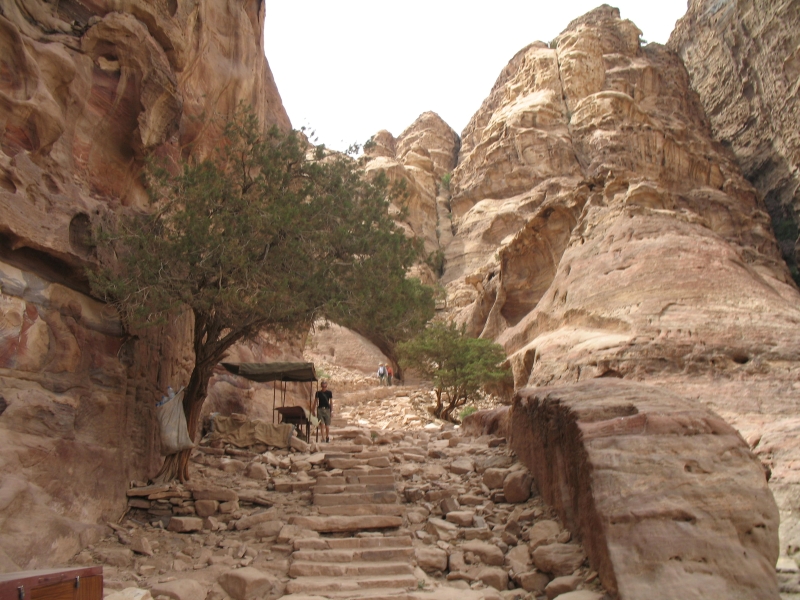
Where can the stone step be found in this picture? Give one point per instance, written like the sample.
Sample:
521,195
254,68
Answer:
342,462
350,432
386,541
329,585
356,568
371,594
352,488
365,594
287,487
368,472
337,480
340,447
363,509
362,453
371,479
347,555
389,497
341,524
375,454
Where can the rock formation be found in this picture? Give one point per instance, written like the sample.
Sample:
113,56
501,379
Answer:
601,231
593,226
420,158
87,92
627,463
334,344
743,59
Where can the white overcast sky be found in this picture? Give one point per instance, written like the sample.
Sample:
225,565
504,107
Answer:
349,68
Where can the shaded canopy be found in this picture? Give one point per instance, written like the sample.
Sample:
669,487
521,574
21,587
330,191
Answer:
276,371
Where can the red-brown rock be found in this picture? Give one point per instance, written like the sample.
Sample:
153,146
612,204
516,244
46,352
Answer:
648,465
517,486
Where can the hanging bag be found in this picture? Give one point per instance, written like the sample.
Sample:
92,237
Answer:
172,422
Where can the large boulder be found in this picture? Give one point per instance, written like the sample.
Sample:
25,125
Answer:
656,486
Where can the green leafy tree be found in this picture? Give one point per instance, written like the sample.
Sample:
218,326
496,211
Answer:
268,233
459,365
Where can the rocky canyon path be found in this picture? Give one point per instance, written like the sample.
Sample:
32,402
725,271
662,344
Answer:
395,506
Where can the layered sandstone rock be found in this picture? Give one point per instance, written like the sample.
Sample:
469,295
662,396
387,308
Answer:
602,232
667,498
339,345
89,91
743,59
420,157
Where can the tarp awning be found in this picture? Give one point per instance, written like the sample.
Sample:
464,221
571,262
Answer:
276,371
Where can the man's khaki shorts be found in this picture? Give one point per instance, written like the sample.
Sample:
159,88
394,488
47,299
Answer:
324,415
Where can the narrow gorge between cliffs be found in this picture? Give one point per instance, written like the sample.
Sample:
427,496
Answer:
621,217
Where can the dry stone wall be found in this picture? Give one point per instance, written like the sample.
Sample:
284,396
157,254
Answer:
89,90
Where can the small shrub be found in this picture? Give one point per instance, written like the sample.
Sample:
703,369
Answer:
435,261
467,412
458,364
446,179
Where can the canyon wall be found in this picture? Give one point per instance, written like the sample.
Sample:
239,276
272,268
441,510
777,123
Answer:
743,60
422,158
88,90
601,231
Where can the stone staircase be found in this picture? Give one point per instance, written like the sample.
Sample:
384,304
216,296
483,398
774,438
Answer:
355,567
360,553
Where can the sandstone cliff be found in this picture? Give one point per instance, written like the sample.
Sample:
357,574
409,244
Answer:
602,231
88,91
743,59
420,157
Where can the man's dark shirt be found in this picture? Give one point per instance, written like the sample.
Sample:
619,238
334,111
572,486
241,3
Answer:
324,398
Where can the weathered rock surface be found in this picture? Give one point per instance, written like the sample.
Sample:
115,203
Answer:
339,345
743,59
181,589
601,231
248,583
666,497
420,156
89,91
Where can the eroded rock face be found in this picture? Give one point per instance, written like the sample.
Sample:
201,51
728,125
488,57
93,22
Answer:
338,345
642,253
743,59
421,156
666,497
89,91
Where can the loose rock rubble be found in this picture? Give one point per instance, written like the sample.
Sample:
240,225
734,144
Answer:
396,506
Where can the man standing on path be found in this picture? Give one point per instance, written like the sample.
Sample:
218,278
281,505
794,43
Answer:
390,374
323,409
382,373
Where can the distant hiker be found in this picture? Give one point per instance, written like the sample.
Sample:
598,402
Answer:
382,374
389,374
323,409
